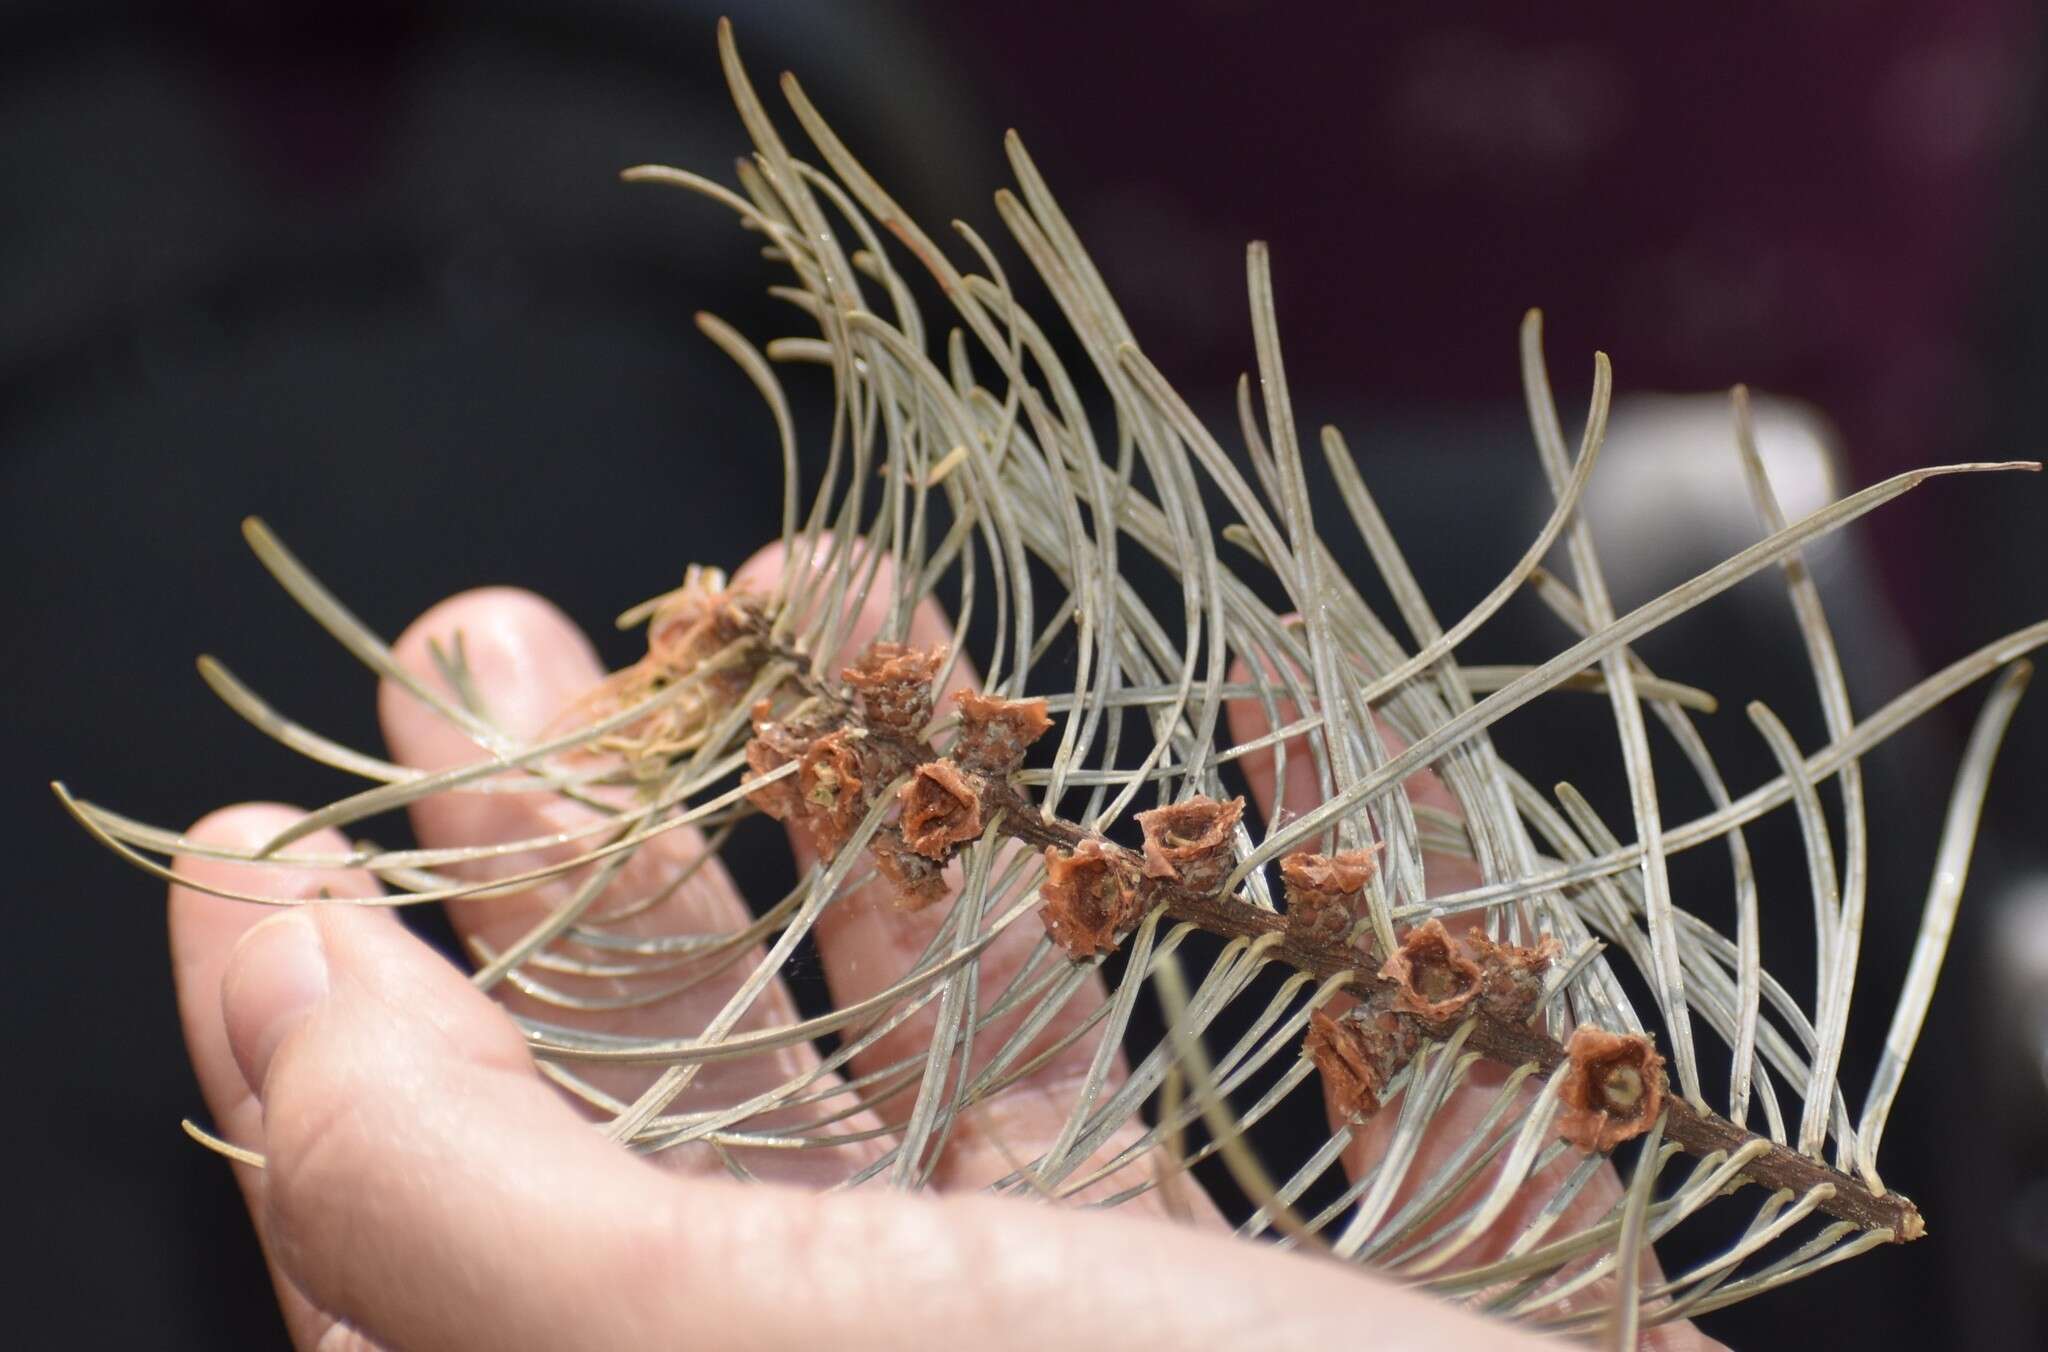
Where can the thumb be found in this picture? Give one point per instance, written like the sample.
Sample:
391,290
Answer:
424,1185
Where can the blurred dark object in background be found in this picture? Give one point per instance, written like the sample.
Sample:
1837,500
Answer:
365,270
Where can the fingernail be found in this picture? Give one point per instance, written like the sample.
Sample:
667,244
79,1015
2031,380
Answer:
276,976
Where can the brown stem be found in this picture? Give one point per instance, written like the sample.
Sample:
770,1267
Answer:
1698,1133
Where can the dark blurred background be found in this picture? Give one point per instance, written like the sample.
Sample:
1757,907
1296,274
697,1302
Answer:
365,269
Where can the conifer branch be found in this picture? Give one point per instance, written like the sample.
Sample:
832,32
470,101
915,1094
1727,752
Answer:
1699,1132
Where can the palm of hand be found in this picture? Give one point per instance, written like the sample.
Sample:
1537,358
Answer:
426,1187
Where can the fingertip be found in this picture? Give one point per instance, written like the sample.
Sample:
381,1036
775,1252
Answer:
762,573
205,934
242,825
1246,720
764,567
526,661
206,929
203,924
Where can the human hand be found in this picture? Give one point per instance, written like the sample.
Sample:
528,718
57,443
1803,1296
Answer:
427,1188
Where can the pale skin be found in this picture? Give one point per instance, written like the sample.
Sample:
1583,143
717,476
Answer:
426,1188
